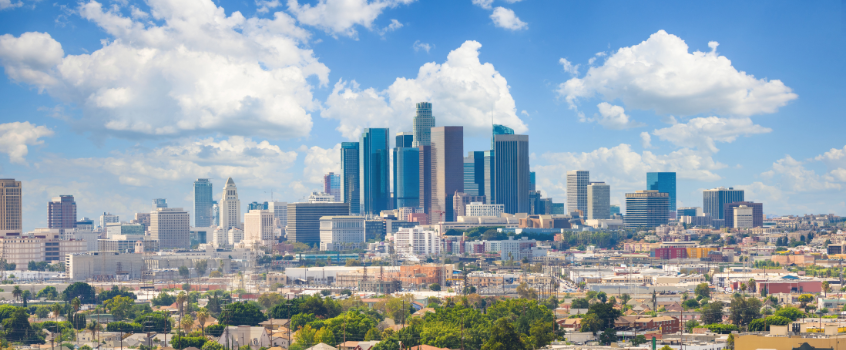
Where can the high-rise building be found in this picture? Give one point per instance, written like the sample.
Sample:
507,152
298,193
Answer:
11,213
332,185
742,217
407,177
482,209
757,216
688,211
615,209
259,227
375,171
474,173
499,130
61,212
489,165
663,182
159,203
230,206
577,182
512,172
425,178
646,209
203,201
558,208
280,212
351,176
532,183
342,232
171,227
461,200
108,218
447,170
403,140
304,219
320,197
535,205
256,206
424,121
714,200
599,201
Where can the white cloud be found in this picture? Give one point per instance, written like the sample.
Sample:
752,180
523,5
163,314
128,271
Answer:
568,66
463,91
645,140
422,46
792,175
704,132
834,158
264,6
485,4
505,18
320,161
512,1
16,136
339,17
660,74
763,193
614,117
395,24
9,4
154,79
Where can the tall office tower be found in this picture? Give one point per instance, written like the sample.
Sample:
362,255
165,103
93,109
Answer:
447,170
108,218
497,129
351,176
663,182
11,213
615,209
757,214
171,227
577,181
512,173
254,206
461,200
474,173
375,171
159,203
424,121
304,219
714,200
203,199
647,209
61,212
215,214
230,206
403,139
599,201
532,183
489,164
332,185
535,202
280,212
407,177
259,227
425,167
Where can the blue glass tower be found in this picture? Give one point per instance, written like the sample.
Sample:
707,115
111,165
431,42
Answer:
375,171
663,182
407,177
351,176
403,139
474,173
203,203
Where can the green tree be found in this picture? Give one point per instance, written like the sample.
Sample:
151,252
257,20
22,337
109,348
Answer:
80,290
638,339
608,336
712,313
115,291
790,312
239,313
120,307
212,345
163,299
201,266
504,337
373,334
690,325
325,336
579,303
435,287
591,323
184,272
48,292
702,290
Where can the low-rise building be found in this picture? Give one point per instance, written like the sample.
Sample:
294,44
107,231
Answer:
342,232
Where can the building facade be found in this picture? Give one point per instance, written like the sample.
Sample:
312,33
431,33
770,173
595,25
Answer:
447,170
407,177
61,212
203,201
403,140
646,209
742,217
577,182
11,208
423,122
425,177
482,209
512,173
417,241
460,200
332,185
757,214
343,232
599,201
230,207
304,219
259,227
280,213
350,176
375,171
663,182
171,227
474,173
714,200
108,218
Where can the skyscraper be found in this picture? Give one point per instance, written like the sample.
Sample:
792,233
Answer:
474,173
646,209
757,213
304,219
599,201
447,170
171,227
375,171
497,129
61,212
230,206
577,181
490,177
424,121
407,175
663,182
350,176
332,185
532,183
714,200
425,167
403,140
11,213
159,203
512,172
203,201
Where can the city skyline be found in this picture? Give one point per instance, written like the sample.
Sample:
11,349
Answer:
84,138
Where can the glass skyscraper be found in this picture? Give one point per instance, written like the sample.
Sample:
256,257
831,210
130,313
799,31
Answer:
512,172
714,200
474,173
375,171
407,177
499,130
403,139
663,182
447,171
350,176
423,121
203,202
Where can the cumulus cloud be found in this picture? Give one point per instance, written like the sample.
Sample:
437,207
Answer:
16,136
395,24
153,80
703,133
422,46
463,91
320,161
568,66
485,4
505,18
339,17
660,74
9,4
835,157
264,6
792,175
614,117
645,140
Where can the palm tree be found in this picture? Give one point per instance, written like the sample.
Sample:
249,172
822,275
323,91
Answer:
56,310
17,292
202,316
75,303
181,298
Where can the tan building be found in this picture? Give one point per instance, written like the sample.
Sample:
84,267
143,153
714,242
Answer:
259,227
800,260
770,342
11,213
171,227
22,250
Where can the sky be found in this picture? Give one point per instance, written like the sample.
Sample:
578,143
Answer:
117,102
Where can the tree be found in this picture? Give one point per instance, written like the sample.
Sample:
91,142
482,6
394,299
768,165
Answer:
373,334
638,339
325,336
435,287
825,287
712,313
804,299
115,291
49,292
120,306
702,290
185,342
591,323
181,298
608,336
504,337
526,292
239,313
744,310
215,330
202,316
164,299
18,329
579,303
690,325
81,290
763,324
212,345
690,304
606,313
625,298
184,272
790,312
201,266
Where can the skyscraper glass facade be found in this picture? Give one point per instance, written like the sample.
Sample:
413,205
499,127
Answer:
375,171
351,177
407,177
512,173
474,173
714,200
203,201
423,121
403,139
447,170
663,182
332,185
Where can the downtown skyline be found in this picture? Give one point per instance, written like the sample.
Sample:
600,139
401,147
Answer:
116,142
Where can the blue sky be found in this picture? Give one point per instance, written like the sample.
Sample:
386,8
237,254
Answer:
119,102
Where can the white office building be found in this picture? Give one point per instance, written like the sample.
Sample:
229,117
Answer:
230,206
577,182
476,209
280,213
599,201
743,217
259,227
236,235
341,232
321,197
107,218
220,238
417,241
171,227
